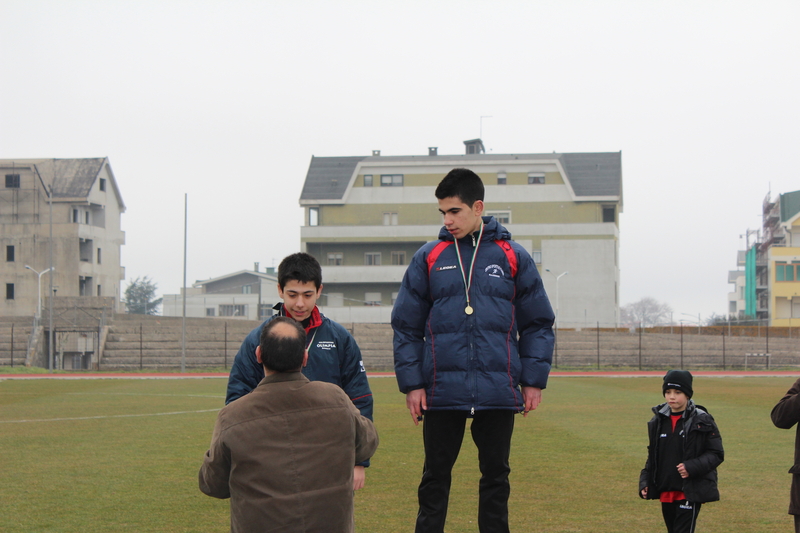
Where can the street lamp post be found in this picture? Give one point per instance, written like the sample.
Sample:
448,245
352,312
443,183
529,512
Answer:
557,278
39,299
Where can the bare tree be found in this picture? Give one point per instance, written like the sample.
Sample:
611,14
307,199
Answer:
646,312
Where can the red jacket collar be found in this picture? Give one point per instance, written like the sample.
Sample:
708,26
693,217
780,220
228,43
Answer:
314,321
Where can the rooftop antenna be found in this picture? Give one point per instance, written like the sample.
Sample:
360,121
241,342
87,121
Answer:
481,130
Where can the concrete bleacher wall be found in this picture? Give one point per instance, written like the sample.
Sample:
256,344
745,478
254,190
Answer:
648,350
15,332
154,342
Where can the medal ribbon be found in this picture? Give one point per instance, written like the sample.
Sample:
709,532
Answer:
468,283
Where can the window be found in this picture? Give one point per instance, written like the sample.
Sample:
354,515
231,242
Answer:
84,285
372,258
210,311
535,179
609,213
501,178
99,256
787,272
313,216
87,217
102,184
398,258
334,299
85,249
537,257
266,310
10,253
391,180
75,218
503,217
9,291
247,289
335,259
99,290
390,219
394,297
12,181
232,310
367,180
372,298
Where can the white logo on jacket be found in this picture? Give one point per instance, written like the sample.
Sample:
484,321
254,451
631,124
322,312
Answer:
495,271
326,345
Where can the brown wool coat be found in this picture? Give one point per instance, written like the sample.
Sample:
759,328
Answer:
785,415
284,455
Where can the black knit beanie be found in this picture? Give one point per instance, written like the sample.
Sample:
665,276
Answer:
679,380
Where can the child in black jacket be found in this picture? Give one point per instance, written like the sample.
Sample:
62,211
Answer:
684,452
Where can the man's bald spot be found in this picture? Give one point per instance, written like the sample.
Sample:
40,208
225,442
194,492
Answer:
282,346
284,330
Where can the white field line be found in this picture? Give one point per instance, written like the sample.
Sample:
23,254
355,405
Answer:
10,377
107,416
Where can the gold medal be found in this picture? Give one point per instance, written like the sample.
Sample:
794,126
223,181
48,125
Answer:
468,281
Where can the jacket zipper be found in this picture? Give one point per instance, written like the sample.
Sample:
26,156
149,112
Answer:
470,323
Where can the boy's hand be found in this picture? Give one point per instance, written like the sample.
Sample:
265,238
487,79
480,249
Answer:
532,396
682,471
644,493
417,403
359,475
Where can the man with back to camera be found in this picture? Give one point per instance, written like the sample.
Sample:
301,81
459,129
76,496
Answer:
472,323
284,454
333,355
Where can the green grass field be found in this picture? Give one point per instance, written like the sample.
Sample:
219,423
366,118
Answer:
122,455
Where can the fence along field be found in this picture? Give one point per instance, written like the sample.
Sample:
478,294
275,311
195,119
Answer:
131,342
716,347
122,455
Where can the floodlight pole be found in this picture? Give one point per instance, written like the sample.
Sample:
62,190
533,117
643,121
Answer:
52,292
185,233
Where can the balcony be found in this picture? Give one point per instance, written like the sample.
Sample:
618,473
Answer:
734,275
368,233
363,274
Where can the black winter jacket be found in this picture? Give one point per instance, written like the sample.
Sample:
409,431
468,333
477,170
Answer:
702,454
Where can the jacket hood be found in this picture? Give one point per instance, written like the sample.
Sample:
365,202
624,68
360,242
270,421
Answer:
492,231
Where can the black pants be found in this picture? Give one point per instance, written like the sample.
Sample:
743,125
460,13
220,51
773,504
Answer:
442,433
680,516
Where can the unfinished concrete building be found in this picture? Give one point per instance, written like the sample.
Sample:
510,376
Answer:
61,218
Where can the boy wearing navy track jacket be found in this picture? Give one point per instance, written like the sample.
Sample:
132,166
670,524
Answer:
472,339
333,355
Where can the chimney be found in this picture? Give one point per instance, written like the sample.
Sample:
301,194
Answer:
433,150
255,266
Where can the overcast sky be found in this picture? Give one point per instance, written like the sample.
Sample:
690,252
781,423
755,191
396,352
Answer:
227,101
